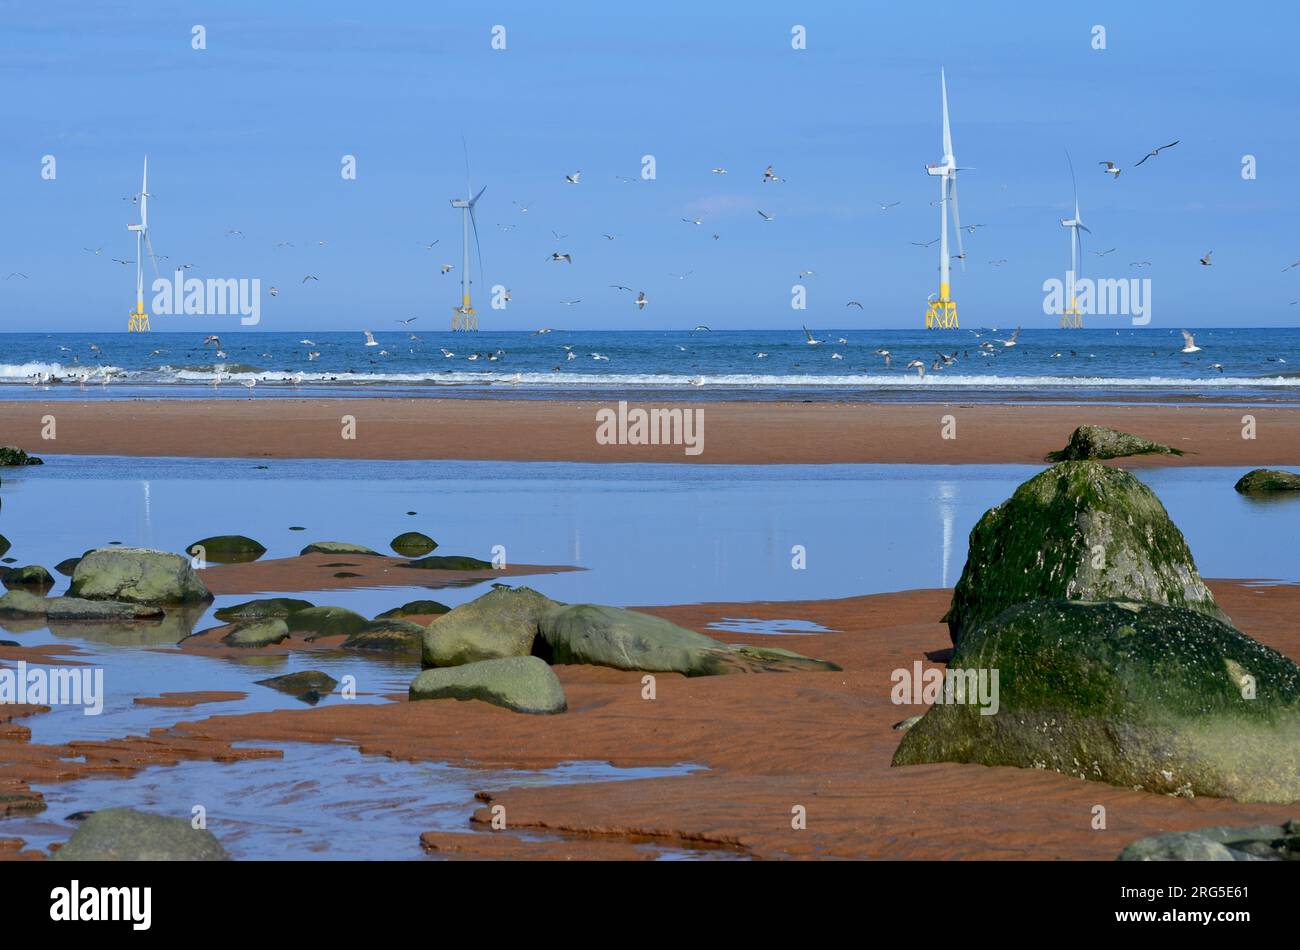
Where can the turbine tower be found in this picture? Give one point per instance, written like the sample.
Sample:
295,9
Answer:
464,314
941,312
139,321
1071,317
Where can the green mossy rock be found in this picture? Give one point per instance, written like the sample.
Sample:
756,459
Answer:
124,834
520,683
337,547
22,603
1261,843
416,608
12,455
33,576
387,636
1259,481
503,622
413,544
311,686
79,610
261,609
627,640
327,621
1099,442
228,549
138,576
451,562
257,633
1077,531
1137,695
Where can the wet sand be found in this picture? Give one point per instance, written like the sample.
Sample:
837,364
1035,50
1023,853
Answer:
735,432
770,742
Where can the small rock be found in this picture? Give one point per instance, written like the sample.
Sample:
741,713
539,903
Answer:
33,575
327,621
260,609
416,608
124,834
519,683
22,603
228,549
413,544
336,547
1264,480
453,562
311,686
1099,442
257,633
12,455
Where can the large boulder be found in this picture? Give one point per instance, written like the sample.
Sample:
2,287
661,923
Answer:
1267,480
139,576
1099,442
227,549
627,640
124,834
261,609
337,547
1077,531
1138,695
413,544
12,455
519,683
1260,843
326,621
503,622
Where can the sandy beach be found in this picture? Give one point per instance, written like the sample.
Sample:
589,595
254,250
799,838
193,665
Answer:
752,433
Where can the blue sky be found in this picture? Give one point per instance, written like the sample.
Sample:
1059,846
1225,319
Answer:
249,135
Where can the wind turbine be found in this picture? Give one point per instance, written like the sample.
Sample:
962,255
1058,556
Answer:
1072,316
139,321
942,312
466,205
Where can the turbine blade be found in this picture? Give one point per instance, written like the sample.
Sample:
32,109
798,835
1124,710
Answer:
475,199
956,220
477,247
152,256
947,132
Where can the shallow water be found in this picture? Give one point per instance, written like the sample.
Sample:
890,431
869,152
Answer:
320,801
645,534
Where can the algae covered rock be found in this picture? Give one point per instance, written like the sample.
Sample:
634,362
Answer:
503,622
31,576
124,834
450,562
1147,696
519,683
1223,843
252,634
1099,442
1077,531
337,547
12,455
1264,480
137,575
78,609
22,603
261,609
311,686
413,544
227,549
327,621
414,608
387,636
628,640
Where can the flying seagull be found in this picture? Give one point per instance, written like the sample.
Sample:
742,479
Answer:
557,257
310,277
811,340
1189,343
719,171
641,301
919,366
573,179
1205,261
885,206
770,175
854,303
1154,152
1011,340
370,338
1113,169
765,216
